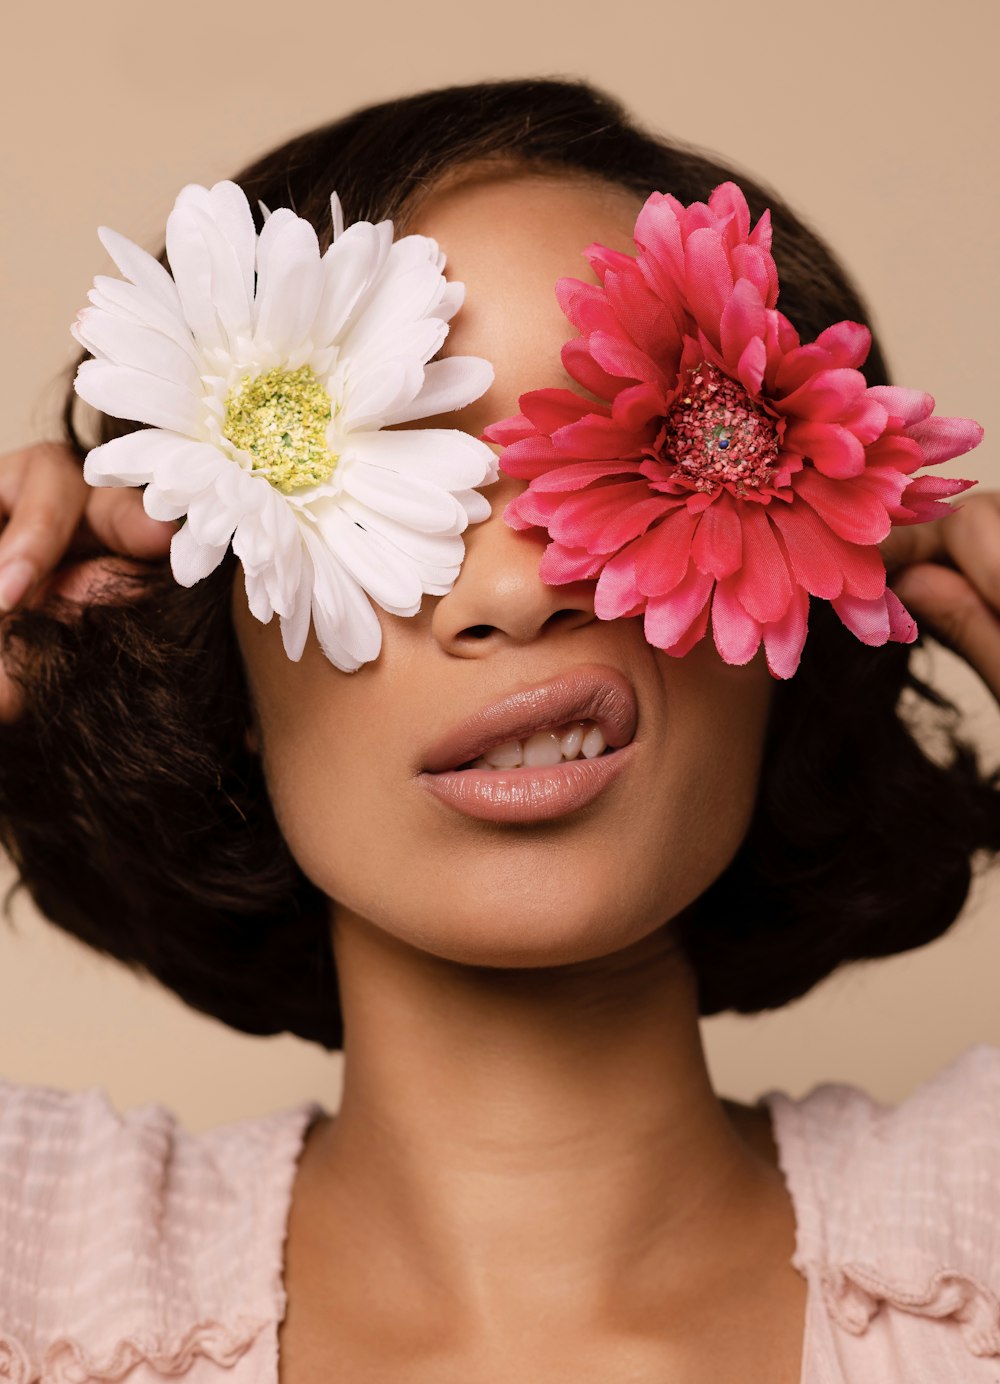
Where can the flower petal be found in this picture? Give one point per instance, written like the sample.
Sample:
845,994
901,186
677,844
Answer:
669,618
736,634
136,395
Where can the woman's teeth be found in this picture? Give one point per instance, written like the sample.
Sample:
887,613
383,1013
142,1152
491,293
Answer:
546,747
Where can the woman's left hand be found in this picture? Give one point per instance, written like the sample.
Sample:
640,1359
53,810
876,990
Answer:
947,573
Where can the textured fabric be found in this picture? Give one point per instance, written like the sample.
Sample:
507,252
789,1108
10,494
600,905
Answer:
132,1247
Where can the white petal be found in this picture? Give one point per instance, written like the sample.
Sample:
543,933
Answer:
132,394
424,549
375,395
408,499
337,216
449,384
111,337
288,282
382,570
183,467
231,212
346,270
127,460
447,457
346,625
231,299
191,265
190,561
257,596
451,300
395,301
140,268
476,506
136,305
160,506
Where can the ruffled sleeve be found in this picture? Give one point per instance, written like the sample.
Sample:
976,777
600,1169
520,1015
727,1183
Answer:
898,1207
126,1241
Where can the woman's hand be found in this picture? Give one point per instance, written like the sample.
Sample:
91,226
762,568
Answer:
59,534
947,573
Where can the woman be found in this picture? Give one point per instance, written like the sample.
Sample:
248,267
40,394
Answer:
530,1175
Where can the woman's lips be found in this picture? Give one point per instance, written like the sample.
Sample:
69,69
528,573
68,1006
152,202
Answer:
590,692
527,794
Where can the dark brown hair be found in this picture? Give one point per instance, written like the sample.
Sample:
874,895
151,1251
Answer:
140,822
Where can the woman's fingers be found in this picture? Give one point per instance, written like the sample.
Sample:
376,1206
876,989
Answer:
118,522
42,498
954,611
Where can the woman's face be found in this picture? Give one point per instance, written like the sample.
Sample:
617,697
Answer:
346,756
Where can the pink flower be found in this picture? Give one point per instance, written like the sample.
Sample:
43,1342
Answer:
732,471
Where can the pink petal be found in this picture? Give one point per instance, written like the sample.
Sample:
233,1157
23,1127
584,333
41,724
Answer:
785,639
594,437
743,320
580,365
851,512
751,366
508,430
550,409
919,502
642,314
729,204
601,259
902,626
897,451
663,554
585,305
695,631
908,405
616,355
810,545
629,523
761,233
847,343
867,420
637,406
718,541
736,634
578,518
831,448
658,233
755,263
560,565
514,516
617,592
869,620
826,396
669,618
578,474
763,584
709,280
944,438
530,458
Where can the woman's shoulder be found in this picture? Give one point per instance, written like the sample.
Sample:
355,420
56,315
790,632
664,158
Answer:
899,1205
124,1227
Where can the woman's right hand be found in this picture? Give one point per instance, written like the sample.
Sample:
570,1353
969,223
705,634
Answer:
60,535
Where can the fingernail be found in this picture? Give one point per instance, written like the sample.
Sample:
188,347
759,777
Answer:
15,579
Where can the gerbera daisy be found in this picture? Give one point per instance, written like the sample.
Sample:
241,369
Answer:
269,376
732,471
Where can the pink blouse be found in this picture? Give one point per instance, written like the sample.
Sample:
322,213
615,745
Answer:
130,1246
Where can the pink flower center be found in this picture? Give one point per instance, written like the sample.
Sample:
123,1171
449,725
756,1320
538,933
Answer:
716,435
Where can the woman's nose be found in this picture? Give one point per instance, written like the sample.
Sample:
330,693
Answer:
499,599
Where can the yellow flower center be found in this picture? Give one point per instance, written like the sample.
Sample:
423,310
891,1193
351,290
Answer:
280,418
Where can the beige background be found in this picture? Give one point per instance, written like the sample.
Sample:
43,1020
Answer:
875,123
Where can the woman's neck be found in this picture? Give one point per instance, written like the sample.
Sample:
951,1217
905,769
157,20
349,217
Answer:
540,1140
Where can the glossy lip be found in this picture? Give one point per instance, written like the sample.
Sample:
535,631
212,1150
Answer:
590,692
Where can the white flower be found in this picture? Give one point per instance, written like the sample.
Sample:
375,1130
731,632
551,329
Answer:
267,375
